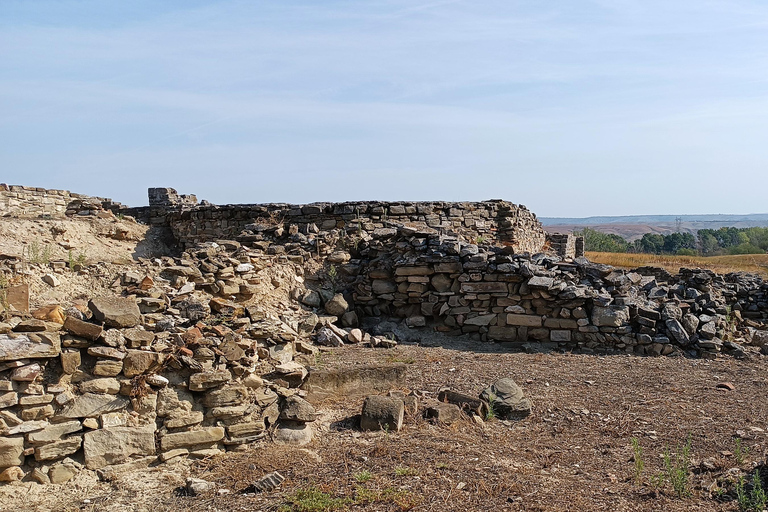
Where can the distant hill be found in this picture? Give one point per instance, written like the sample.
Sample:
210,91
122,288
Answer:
634,226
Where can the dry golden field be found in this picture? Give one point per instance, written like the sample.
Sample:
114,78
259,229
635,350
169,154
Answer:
755,263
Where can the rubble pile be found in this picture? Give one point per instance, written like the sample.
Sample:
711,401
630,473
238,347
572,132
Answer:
543,301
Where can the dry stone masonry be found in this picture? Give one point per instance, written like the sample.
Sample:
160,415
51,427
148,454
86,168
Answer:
182,360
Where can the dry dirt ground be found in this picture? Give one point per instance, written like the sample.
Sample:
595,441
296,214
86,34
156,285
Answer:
573,453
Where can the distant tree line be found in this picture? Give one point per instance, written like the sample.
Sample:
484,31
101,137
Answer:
706,242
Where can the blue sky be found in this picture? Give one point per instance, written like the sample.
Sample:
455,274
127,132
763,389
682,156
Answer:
573,108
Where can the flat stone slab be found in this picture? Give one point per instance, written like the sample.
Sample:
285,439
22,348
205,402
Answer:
29,346
362,381
91,405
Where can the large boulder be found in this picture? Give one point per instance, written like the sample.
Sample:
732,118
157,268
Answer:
507,400
119,312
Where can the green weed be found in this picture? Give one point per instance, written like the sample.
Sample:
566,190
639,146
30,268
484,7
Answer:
362,476
405,471
740,451
753,499
676,469
313,500
639,462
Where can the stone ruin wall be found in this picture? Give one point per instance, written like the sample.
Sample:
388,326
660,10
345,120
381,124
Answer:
497,222
127,388
545,302
20,201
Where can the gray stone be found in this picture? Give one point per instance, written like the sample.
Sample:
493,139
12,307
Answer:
293,433
709,330
298,409
328,338
759,338
383,287
311,299
690,323
610,316
541,282
382,412
507,400
677,331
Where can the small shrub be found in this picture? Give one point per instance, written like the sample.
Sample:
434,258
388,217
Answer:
639,462
740,451
491,414
676,469
753,499
39,254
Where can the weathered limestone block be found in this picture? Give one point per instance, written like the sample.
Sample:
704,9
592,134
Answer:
107,368
321,384
91,405
207,380
137,362
485,287
54,432
524,320
106,385
119,312
11,452
83,329
58,449
197,437
70,361
443,413
293,433
611,316
382,412
230,395
116,445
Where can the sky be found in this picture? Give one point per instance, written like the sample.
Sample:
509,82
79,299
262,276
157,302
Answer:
570,107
